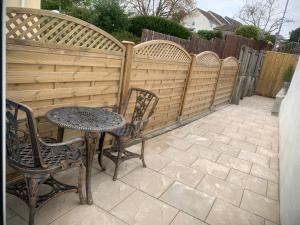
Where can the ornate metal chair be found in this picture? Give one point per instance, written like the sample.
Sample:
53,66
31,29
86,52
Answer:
134,128
37,159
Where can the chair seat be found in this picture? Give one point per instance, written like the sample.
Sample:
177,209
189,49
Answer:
52,156
125,131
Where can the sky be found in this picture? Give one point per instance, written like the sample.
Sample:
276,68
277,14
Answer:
231,8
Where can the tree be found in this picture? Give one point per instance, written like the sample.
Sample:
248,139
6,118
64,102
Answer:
295,35
63,5
110,16
161,8
264,14
106,14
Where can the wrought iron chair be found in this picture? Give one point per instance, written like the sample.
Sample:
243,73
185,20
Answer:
134,128
38,159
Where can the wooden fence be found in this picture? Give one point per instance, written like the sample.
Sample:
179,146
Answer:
55,60
230,46
271,77
251,62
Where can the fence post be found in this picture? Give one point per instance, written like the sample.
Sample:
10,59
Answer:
126,69
216,87
235,88
187,81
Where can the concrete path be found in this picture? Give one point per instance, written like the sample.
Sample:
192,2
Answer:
219,170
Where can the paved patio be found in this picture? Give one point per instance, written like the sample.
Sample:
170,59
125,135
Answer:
219,170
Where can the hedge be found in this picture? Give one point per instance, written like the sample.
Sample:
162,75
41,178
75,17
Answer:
158,24
210,34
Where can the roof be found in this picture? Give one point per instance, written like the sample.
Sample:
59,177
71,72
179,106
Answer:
222,23
219,18
209,17
233,21
227,27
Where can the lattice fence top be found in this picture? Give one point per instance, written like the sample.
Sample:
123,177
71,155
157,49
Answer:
230,62
160,49
208,58
46,27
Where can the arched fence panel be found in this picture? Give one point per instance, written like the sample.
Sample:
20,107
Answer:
201,84
162,67
55,60
226,81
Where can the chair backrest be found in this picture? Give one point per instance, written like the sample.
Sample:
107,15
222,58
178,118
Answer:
15,140
144,105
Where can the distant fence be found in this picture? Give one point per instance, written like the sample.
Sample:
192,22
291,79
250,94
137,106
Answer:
271,77
230,46
291,48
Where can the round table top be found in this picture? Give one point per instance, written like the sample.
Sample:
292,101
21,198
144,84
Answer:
86,119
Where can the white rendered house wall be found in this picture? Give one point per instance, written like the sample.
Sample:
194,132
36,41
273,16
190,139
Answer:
197,21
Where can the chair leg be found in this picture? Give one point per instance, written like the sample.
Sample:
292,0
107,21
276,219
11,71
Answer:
143,152
81,171
120,153
32,184
100,151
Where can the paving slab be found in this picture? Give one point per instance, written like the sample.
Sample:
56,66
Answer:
247,181
189,200
209,167
235,163
260,205
224,213
185,219
264,173
149,181
140,208
204,152
221,189
187,175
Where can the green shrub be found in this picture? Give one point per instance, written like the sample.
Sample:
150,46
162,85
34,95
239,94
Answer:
209,34
158,24
126,36
248,31
270,38
288,74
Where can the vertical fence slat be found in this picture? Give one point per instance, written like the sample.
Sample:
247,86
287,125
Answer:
187,81
216,87
126,70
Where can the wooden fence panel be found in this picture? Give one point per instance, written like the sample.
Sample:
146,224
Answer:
201,85
226,81
55,60
162,67
271,77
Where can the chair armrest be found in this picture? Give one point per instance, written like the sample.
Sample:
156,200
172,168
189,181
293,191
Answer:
143,123
72,141
146,121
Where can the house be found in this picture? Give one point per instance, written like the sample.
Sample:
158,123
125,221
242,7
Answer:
227,28
202,20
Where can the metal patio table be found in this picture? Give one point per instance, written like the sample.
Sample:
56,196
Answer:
93,121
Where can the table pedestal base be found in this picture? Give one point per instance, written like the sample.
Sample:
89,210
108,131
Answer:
92,141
